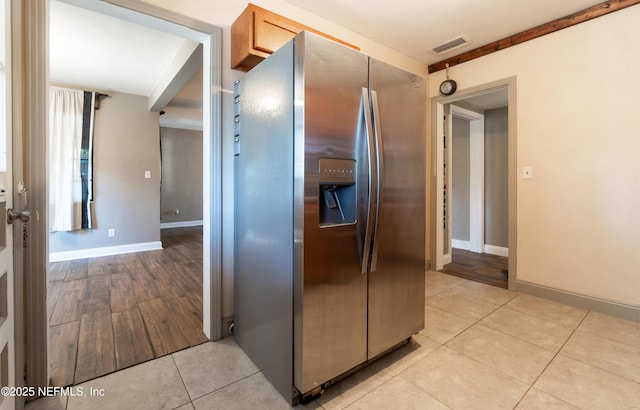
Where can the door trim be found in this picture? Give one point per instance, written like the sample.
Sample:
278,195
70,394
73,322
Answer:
29,45
212,153
14,170
33,80
437,129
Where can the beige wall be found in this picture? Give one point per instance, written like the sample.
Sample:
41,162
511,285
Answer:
577,219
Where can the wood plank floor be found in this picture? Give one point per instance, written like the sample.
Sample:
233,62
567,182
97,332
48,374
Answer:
113,312
479,267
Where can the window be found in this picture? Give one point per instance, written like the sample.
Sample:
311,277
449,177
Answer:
71,115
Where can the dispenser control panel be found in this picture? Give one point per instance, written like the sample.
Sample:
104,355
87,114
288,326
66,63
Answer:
337,189
337,171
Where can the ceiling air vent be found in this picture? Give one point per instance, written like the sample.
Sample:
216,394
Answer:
457,42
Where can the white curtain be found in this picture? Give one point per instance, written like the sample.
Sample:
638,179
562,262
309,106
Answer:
65,138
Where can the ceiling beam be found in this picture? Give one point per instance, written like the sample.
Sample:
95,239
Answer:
187,62
572,19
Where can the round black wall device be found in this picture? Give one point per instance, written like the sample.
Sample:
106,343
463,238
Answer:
448,87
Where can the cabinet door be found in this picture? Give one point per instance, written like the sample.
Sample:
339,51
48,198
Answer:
257,33
272,31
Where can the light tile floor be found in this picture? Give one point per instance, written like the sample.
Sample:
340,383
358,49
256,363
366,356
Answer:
482,348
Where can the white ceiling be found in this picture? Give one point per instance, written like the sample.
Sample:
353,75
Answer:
412,27
488,101
93,50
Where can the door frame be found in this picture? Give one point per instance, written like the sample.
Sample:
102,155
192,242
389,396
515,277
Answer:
29,104
437,157
12,333
34,45
211,38
476,175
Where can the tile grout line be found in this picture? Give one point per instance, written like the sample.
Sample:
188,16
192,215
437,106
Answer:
513,378
598,367
493,311
182,380
476,320
551,361
225,386
395,376
519,337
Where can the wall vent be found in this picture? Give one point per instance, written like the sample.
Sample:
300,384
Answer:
457,42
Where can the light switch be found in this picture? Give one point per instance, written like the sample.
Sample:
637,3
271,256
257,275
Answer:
527,172
147,174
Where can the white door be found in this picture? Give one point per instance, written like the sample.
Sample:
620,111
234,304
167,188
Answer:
7,314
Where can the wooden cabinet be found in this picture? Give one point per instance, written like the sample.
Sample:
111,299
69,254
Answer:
257,33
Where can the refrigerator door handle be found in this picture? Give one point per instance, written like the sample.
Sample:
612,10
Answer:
372,179
377,131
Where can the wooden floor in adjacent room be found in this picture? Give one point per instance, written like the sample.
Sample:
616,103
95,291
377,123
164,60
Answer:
479,267
113,312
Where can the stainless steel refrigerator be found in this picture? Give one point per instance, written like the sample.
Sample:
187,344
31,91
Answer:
330,212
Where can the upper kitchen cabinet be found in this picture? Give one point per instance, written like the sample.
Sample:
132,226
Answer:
257,33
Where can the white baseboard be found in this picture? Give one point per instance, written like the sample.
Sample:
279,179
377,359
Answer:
104,251
490,249
496,250
458,244
181,224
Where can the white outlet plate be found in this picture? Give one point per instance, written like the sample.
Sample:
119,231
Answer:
147,174
527,172
111,233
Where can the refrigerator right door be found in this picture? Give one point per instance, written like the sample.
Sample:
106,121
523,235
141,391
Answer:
397,277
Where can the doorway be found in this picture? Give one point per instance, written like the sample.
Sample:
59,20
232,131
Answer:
210,270
474,170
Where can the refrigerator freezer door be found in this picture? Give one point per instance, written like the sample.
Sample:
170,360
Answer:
330,297
263,306
396,280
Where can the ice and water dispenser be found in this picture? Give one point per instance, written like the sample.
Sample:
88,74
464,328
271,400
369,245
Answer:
337,192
